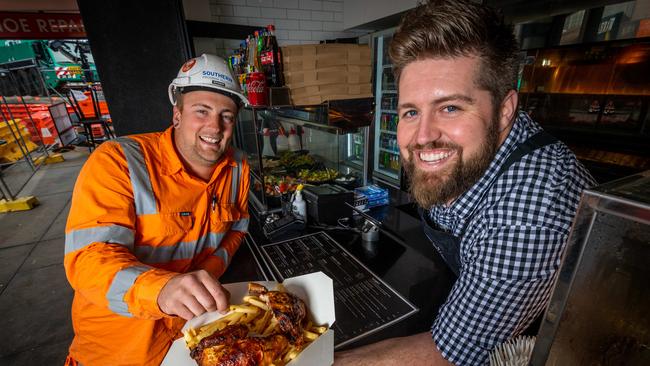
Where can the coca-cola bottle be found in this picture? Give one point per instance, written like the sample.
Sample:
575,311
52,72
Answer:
272,60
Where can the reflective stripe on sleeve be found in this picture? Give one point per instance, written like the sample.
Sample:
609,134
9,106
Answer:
240,225
235,184
113,234
183,250
223,254
121,284
145,203
238,156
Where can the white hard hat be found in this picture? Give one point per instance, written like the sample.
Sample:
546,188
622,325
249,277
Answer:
206,71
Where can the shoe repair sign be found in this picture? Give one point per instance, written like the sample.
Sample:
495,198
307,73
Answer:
40,26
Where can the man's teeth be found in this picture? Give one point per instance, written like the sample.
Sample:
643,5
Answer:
209,139
430,157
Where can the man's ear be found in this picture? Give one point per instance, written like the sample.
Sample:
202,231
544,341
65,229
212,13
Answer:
508,110
176,117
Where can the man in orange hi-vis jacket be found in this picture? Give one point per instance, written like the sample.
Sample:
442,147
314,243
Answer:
154,221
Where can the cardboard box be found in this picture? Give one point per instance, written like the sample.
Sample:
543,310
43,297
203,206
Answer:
349,74
315,57
318,99
315,289
331,89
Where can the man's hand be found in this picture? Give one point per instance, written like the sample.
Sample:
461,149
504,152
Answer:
192,294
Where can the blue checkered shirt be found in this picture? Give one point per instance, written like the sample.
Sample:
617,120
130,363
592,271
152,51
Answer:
513,231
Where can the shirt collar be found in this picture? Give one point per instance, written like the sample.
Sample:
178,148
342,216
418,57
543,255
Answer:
448,217
172,163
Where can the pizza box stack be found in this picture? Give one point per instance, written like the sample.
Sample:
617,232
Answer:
317,73
315,289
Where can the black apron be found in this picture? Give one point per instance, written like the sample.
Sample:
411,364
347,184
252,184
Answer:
448,245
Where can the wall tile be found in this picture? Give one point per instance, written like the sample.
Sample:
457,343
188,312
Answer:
286,4
260,3
247,11
311,4
332,6
332,26
274,13
301,35
322,15
311,25
299,14
287,24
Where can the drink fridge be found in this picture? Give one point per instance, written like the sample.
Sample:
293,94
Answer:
387,166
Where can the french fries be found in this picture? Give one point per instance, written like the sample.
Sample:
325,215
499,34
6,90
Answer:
258,317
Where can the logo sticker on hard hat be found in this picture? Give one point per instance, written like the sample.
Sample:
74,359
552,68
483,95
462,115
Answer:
188,65
216,75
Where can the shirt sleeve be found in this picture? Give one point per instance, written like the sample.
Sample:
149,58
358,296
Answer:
496,297
99,260
218,262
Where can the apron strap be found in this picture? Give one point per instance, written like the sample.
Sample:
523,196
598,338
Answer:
537,141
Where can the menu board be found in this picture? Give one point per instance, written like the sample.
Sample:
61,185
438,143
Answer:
364,304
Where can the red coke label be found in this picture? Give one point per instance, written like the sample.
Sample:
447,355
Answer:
256,88
267,58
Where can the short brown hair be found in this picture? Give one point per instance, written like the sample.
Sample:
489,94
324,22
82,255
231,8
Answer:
455,28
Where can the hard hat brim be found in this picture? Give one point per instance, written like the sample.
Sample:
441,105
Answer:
215,88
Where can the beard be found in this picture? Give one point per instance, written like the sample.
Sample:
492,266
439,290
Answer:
429,189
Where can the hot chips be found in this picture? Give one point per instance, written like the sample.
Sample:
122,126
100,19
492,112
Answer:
258,317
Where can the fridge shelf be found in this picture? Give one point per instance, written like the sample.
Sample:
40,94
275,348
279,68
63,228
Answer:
388,171
389,151
388,132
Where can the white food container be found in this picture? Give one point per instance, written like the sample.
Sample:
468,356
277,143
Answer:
315,289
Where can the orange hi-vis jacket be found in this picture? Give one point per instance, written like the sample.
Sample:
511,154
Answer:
137,219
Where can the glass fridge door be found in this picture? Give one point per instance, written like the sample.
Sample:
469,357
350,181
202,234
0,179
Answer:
387,165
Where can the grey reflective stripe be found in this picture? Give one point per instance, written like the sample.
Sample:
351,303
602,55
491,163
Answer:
121,284
182,250
114,234
238,156
241,225
145,203
223,254
235,184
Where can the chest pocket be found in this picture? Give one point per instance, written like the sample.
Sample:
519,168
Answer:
176,222
163,228
223,217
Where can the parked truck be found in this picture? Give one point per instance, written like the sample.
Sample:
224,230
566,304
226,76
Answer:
28,67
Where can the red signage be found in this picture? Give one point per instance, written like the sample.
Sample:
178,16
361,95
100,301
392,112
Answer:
41,26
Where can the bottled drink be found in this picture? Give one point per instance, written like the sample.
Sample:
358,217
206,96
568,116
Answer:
272,60
250,44
259,47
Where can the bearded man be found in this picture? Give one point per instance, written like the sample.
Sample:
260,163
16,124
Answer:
497,193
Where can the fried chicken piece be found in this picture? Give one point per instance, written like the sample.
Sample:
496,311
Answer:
245,352
289,310
225,337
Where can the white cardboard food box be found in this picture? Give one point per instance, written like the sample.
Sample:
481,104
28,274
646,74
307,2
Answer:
315,289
